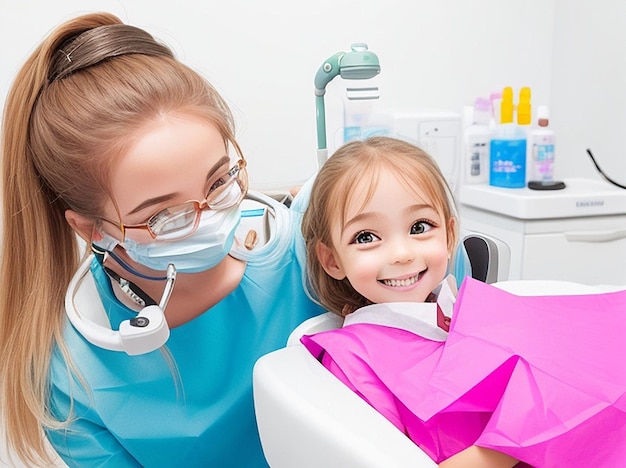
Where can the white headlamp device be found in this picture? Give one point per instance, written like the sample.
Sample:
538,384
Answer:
146,332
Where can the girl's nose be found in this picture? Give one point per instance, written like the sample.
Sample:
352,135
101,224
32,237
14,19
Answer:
401,252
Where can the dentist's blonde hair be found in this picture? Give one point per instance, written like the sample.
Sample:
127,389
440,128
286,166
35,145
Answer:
347,168
74,107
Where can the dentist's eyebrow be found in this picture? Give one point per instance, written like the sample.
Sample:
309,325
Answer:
224,160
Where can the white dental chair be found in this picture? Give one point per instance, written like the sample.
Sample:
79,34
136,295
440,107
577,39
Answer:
309,419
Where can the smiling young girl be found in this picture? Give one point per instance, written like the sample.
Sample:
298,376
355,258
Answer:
381,227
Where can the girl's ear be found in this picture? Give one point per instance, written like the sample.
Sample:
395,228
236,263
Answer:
81,225
452,239
326,257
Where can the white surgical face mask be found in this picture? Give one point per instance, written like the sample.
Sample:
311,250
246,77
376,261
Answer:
204,249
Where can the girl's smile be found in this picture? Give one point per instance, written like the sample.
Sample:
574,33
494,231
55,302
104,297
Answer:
403,282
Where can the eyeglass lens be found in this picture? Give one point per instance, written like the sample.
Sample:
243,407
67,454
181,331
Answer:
181,220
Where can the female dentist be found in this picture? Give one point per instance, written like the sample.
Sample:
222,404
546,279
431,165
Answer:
106,135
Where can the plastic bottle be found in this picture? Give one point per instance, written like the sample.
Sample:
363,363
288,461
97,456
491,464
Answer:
496,102
507,151
506,106
477,137
524,111
524,120
362,117
542,148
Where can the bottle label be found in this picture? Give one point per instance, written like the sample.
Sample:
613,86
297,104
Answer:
361,133
478,165
508,163
351,133
543,158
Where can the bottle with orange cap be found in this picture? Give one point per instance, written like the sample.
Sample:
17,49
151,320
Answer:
542,147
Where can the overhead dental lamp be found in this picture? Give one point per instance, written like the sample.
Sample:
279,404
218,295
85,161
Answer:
358,64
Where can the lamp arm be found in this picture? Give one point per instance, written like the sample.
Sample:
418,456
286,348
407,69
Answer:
320,113
326,72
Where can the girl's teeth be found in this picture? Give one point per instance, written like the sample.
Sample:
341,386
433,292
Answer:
403,282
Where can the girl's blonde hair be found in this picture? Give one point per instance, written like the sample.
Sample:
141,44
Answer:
74,107
347,168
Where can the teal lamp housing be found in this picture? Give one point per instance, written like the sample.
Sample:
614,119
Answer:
358,64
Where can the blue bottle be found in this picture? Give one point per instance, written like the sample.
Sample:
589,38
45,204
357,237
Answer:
507,157
507,149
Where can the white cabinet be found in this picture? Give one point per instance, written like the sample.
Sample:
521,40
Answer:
576,234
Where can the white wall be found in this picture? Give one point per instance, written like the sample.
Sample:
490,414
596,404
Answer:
588,89
263,56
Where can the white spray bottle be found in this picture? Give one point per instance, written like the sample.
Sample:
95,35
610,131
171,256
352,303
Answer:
476,144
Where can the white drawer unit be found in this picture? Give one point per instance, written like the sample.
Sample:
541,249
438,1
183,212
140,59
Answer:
575,234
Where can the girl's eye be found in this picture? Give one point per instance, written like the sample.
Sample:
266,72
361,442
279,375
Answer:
364,237
422,226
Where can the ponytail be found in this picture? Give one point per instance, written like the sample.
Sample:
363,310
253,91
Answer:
39,255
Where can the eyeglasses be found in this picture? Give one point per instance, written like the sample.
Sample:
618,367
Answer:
180,221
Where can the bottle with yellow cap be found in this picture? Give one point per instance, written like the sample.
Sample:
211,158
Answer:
507,151
506,106
524,116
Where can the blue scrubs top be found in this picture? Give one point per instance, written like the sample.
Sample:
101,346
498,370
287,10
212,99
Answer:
192,405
